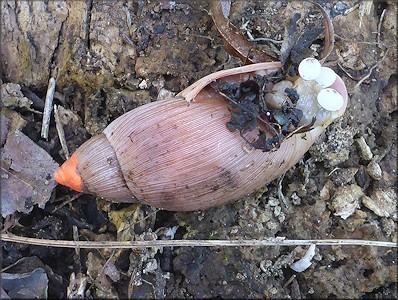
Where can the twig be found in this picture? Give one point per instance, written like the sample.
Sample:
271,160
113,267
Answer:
128,17
278,241
334,170
67,202
235,42
264,39
289,281
379,26
48,105
350,10
198,35
371,70
329,34
347,73
95,280
61,133
355,41
76,238
282,197
128,40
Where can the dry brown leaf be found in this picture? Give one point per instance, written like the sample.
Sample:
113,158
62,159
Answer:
26,174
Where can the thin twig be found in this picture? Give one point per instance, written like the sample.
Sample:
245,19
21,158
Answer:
48,106
355,41
67,202
61,133
282,197
379,26
329,34
127,39
289,281
371,70
347,73
95,280
128,17
278,241
76,238
265,40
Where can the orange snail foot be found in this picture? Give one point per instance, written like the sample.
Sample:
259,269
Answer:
68,175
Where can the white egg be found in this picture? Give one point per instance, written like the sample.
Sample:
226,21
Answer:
326,78
309,68
330,99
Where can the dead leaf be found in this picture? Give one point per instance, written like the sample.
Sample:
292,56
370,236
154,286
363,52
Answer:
234,41
26,174
33,285
12,96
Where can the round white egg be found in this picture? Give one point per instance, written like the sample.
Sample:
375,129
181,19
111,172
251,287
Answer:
326,78
330,99
309,68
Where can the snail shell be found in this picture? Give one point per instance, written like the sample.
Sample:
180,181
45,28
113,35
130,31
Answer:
181,157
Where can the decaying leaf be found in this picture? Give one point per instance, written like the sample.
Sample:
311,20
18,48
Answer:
33,285
27,265
4,125
12,96
103,272
26,174
234,41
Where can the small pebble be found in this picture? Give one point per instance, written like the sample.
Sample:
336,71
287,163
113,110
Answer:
374,170
158,29
346,200
382,202
143,85
364,149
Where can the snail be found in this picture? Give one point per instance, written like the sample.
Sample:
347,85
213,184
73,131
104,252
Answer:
190,153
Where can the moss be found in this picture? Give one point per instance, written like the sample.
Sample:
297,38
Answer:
25,59
71,70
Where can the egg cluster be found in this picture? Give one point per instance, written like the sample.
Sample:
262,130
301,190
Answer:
329,98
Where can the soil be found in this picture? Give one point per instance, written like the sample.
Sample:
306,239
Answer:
110,57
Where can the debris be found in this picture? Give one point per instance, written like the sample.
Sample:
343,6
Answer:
102,272
33,285
346,200
225,7
150,266
171,232
304,263
165,94
234,41
131,221
77,286
374,170
12,96
26,174
61,133
382,203
143,84
48,105
4,126
364,149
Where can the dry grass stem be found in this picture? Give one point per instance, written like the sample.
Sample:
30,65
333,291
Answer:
279,241
61,133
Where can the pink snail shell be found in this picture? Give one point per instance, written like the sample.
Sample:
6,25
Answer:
182,157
